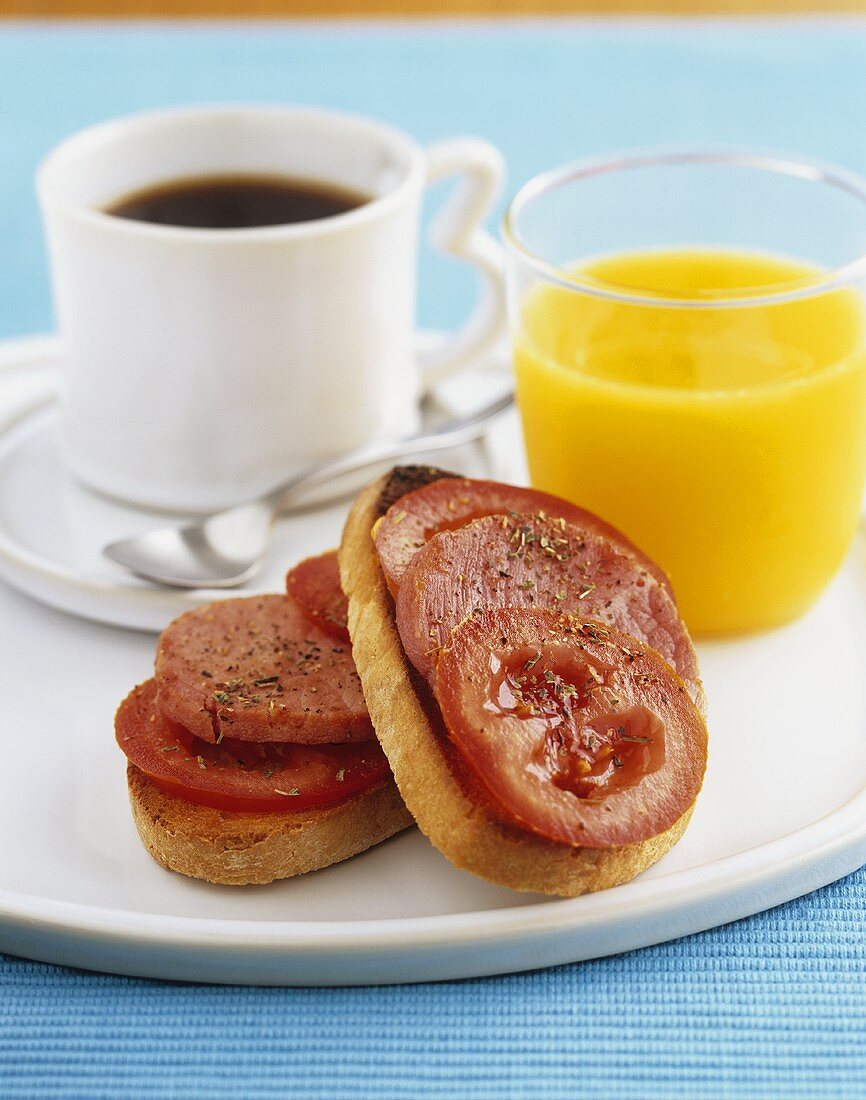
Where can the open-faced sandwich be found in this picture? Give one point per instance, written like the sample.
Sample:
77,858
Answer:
251,754
528,676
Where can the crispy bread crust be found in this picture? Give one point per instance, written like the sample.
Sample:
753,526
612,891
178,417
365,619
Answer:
458,821
406,479
237,849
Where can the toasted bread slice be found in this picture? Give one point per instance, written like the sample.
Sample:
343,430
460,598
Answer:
236,849
447,804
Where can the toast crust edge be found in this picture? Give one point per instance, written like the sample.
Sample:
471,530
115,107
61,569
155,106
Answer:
239,849
466,831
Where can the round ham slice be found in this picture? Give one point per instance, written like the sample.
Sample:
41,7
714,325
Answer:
314,585
451,502
256,669
524,561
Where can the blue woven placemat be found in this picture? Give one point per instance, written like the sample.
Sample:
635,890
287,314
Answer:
774,1006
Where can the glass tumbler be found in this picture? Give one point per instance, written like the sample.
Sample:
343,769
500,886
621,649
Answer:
689,338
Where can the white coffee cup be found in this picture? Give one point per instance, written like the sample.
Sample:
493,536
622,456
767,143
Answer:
204,365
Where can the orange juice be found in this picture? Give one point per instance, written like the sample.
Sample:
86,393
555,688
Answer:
728,442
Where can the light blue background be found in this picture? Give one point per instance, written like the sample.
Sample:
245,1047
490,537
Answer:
773,1006
544,95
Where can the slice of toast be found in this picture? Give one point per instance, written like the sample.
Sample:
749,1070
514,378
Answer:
448,806
237,849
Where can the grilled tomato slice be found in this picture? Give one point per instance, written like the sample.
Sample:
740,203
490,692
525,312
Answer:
241,775
575,730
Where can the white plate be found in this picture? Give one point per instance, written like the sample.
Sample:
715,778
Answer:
783,811
52,529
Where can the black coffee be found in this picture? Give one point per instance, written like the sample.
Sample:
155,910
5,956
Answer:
236,202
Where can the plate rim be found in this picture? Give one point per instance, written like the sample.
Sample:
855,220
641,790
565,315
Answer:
750,880
17,556
40,354
799,849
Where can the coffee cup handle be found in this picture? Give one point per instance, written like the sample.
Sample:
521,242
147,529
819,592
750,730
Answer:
458,231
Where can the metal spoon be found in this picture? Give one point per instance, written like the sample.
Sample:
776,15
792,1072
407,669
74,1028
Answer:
227,548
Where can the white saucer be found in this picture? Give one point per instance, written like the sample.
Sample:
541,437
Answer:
52,529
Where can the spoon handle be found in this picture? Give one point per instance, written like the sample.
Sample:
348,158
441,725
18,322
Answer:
452,433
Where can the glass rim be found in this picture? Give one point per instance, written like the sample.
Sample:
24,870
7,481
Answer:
814,171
